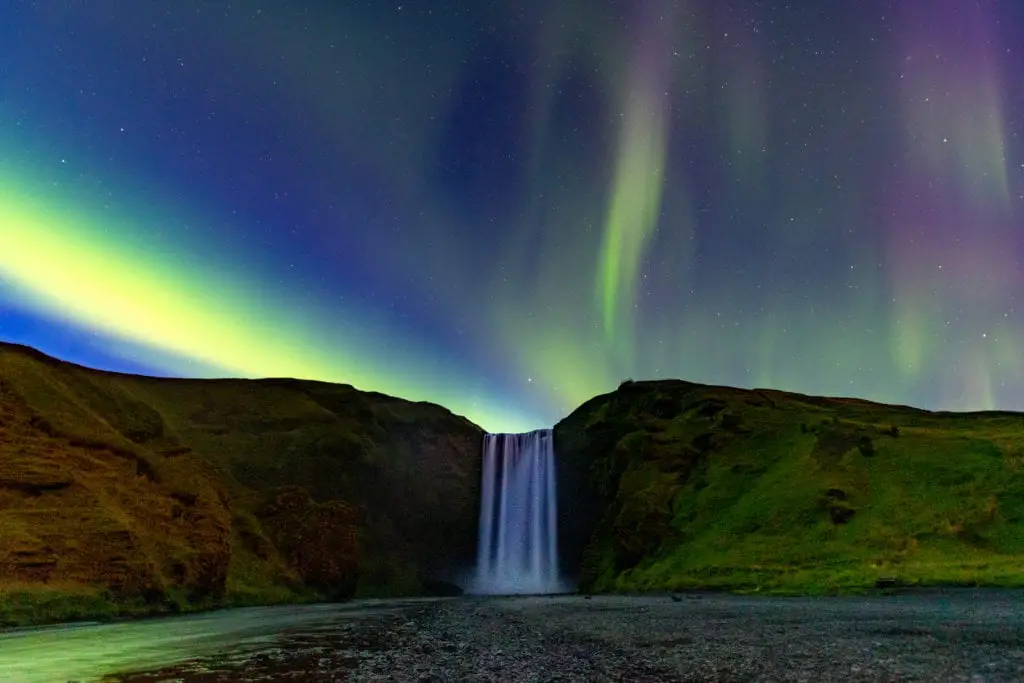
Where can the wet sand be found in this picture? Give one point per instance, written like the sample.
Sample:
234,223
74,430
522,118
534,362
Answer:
954,635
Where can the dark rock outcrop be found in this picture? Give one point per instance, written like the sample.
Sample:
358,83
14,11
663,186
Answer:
320,540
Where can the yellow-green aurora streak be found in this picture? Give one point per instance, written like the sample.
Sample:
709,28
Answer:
111,273
635,205
633,214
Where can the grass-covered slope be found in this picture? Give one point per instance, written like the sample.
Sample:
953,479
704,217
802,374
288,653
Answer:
123,494
711,487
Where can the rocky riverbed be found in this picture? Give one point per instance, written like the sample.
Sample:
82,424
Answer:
956,635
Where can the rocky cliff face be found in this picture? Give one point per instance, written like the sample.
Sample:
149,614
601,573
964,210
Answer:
131,493
678,485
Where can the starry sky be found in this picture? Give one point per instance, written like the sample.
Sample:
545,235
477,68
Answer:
508,207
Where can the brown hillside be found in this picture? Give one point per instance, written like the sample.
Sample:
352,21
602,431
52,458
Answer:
129,492
81,518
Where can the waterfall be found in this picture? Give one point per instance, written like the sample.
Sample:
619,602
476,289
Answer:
518,550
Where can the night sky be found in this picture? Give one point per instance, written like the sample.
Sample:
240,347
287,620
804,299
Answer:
509,207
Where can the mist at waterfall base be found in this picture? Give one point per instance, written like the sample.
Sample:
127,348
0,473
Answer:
518,542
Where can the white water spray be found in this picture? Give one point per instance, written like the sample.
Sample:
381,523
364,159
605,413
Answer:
518,550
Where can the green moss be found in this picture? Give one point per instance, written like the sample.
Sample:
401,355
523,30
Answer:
25,607
36,605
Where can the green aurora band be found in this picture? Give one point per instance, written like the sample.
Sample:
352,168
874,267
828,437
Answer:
119,274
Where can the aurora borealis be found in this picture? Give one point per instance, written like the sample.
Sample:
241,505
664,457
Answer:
508,207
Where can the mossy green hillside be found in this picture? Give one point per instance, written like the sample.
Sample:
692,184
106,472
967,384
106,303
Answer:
711,487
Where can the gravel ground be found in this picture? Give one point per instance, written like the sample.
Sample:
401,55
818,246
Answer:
959,635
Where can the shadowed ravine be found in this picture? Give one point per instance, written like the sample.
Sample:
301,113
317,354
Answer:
951,635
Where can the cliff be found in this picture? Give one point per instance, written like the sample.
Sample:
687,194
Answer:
129,494
679,485
122,494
